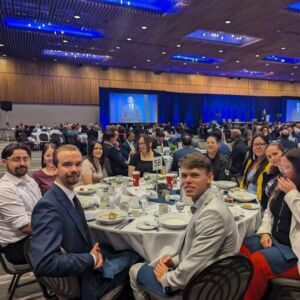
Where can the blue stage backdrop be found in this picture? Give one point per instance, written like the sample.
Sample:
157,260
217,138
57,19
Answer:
192,108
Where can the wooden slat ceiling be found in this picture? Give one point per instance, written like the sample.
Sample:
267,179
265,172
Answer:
264,19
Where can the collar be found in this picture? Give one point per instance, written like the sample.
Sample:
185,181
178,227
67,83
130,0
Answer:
202,200
70,194
16,180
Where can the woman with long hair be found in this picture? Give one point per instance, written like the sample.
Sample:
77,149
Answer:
275,249
46,176
92,167
256,165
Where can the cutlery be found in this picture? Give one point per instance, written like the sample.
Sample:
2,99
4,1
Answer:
124,224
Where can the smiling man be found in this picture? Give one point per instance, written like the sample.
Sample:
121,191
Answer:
210,233
19,193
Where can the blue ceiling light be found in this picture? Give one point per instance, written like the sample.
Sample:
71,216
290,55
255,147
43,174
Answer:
294,6
159,6
75,55
249,73
32,25
196,59
222,37
282,59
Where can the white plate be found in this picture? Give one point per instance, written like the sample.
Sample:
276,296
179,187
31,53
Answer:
253,206
104,217
225,185
85,190
242,196
114,179
146,225
174,220
86,201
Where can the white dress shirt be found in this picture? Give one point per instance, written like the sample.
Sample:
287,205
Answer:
18,197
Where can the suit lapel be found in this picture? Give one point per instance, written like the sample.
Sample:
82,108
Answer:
66,203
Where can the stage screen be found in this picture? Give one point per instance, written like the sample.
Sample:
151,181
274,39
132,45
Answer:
132,108
293,110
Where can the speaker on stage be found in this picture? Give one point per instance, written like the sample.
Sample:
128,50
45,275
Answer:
6,105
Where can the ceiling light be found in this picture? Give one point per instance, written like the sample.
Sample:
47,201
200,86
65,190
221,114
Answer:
76,55
77,17
1,45
267,64
54,59
237,61
282,59
65,41
178,46
292,74
221,51
129,39
227,22
217,67
33,25
283,48
257,55
196,59
118,47
144,27
184,64
4,55
295,67
134,67
163,53
148,60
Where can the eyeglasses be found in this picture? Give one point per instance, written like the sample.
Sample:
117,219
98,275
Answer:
19,159
259,145
142,143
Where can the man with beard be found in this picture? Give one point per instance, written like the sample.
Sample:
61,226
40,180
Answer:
19,193
58,221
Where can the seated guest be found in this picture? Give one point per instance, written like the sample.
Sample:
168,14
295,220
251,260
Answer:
112,156
266,132
256,166
274,251
177,135
46,176
274,152
128,146
238,154
92,168
160,140
210,233
18,195
143,160
285,141
223,147
220,164
92,133
183,152
58,221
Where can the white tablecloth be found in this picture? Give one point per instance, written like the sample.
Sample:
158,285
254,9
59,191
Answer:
153,244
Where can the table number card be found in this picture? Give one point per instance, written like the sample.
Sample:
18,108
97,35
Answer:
157,163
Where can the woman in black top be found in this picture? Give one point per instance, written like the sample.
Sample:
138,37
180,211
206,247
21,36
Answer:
274,152
142,161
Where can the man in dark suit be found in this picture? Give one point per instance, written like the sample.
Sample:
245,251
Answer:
238,154
160,140
128,145
131,113
113,156
58,221
285,141
183,152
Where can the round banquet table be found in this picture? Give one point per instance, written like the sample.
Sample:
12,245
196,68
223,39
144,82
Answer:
152,244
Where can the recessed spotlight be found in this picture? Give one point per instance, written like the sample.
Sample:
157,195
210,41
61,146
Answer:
77,17
283,48
184,64
292,74
4,55
198,72
118,47
54,59
97,63
144,27
267,64
178,46
129,39
148,60
221,51
257,55
237,61
134,67
217,67
163,53
227,22
1,45
295,67
65,41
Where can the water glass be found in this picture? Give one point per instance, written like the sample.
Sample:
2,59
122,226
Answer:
180,206
124,206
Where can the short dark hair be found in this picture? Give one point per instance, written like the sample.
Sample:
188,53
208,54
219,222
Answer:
9,149
45,148
66,147
186,139
293,156
160,134
108,135
217,134
196,161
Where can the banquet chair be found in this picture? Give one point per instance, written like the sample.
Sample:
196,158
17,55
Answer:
44,139
55,139
17,271
226,277
284,289
66,287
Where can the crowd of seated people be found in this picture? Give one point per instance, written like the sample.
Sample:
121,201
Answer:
264,155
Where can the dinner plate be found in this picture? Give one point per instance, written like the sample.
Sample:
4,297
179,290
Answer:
174,220
86,201
110,217
242,196
224,184
115,179
250,206
85,190
146,225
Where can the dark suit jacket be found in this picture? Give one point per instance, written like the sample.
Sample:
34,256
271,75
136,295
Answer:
125,150
156,143
55,224
179,155
238,154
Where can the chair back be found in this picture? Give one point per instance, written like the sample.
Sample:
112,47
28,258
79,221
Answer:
44,137
55,139
225,278
62,287
22,137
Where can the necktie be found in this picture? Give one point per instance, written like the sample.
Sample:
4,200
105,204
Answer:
80,212
193,209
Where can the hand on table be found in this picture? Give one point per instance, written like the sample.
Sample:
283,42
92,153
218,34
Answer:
266,240
99,258
286,185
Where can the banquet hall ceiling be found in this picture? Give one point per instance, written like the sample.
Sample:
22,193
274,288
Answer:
128,36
